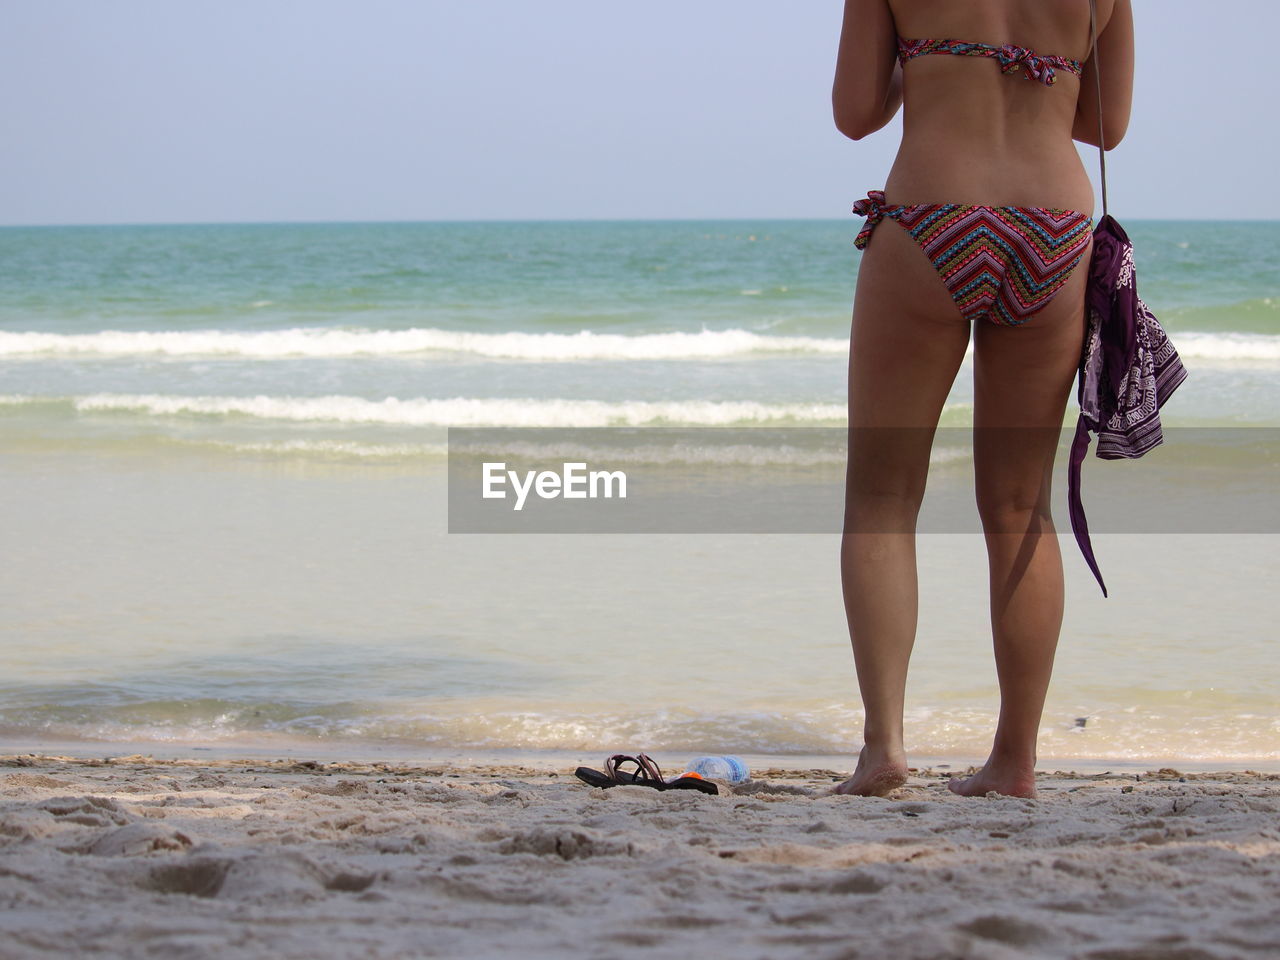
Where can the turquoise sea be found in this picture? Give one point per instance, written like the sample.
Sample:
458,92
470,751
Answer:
223,455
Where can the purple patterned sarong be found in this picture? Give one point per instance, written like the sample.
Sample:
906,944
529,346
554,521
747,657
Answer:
1128,369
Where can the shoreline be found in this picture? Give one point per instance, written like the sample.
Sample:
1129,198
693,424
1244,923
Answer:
366,754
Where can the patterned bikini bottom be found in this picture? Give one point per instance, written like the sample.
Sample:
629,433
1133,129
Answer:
999,263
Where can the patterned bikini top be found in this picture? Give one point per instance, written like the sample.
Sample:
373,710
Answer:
1037,66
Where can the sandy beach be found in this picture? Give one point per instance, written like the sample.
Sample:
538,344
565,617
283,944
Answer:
133,856
403,404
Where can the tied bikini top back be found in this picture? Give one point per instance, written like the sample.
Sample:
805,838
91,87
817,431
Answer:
1012,58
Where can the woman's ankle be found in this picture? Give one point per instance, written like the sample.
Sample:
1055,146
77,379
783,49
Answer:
883,753
1012,756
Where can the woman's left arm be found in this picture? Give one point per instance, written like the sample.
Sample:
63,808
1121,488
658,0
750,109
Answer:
1114,54
868,86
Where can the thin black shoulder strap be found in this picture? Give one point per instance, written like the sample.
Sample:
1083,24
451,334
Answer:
1097,78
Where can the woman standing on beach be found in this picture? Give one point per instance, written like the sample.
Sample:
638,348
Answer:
988,194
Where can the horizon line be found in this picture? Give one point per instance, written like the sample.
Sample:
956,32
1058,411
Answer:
540,220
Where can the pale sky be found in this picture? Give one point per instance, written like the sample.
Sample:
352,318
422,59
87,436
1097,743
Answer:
163,111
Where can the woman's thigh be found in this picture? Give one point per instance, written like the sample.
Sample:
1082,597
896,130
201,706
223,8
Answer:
908,340
1022,378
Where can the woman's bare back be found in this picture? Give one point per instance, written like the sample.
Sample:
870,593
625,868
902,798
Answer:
972,134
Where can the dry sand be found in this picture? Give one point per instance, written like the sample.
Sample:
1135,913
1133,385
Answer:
134,857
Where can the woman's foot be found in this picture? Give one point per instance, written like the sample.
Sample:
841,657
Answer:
876,775
1009,781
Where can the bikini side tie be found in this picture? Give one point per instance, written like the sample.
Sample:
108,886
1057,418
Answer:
873,208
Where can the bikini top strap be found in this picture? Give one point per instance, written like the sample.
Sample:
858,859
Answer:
1097,78
1011,57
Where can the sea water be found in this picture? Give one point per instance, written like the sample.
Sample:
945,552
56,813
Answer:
223,449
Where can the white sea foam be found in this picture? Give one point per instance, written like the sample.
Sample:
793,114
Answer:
1256,347
300,342
337,449
731,454
332,342
469,412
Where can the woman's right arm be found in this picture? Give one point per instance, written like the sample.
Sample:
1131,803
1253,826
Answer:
1114,60
868,86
